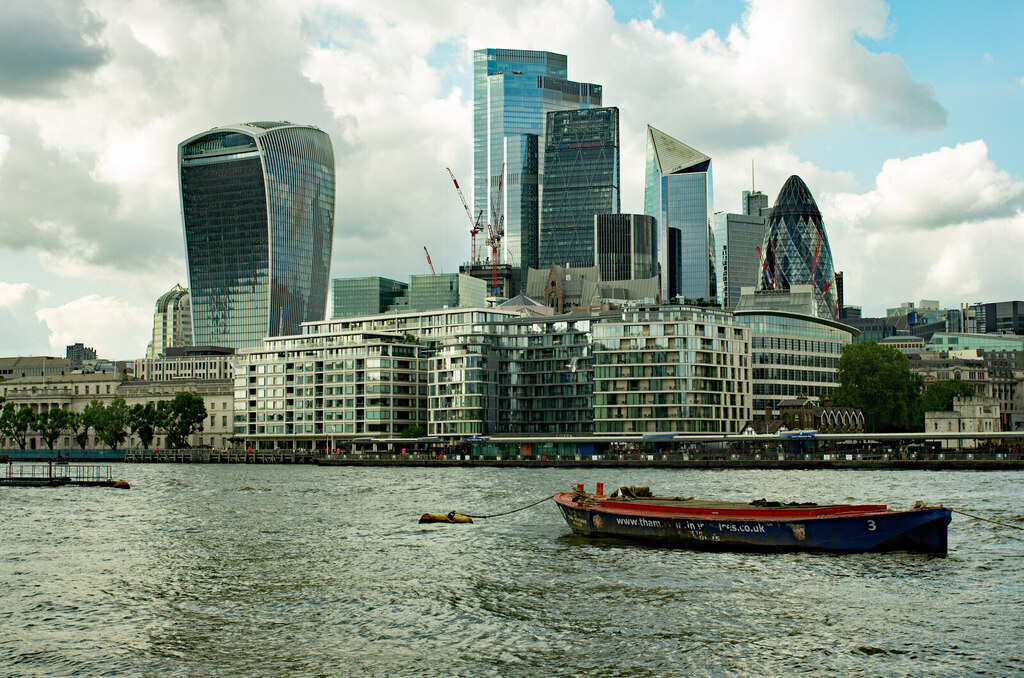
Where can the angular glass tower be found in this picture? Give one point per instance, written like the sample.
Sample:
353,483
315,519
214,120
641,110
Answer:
513,91
257,205
796,250
678,193
581,179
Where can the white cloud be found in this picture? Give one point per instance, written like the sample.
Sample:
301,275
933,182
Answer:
947,187
111,325
20,297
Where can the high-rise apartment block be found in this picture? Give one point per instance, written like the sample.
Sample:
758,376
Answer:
257,202
581,179
513,91
678,193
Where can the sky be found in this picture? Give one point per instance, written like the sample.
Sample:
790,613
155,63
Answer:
903,119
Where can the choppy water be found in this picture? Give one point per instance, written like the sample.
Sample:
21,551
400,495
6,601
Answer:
308,571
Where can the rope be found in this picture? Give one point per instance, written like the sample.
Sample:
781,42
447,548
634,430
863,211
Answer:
505,513
1016,527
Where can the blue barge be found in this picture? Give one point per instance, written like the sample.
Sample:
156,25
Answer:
760,526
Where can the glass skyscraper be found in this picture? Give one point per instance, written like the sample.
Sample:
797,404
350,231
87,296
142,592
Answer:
796,250
513,90
737,239
581,179
257,204
678,193
625,246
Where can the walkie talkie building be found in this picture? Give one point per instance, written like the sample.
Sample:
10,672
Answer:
257,204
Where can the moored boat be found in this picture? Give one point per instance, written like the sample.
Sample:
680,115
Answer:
633,513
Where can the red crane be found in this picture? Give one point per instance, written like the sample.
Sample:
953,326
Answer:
474,226
429,263
495,232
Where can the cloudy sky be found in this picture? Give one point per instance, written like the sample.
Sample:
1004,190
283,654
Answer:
904,120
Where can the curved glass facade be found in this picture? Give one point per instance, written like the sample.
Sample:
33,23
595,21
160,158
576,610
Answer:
792,356
257,204
796,250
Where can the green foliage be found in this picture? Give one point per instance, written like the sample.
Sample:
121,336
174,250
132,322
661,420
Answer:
49,424
79,431
180,418
939,395
142,421
877,380
112,426
414,431
15,422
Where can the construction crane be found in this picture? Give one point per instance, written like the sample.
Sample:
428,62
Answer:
474,226
495,231
429,263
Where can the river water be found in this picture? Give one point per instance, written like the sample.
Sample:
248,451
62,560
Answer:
232,570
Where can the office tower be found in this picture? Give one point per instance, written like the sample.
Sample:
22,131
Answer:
581,179
513,91
172,322
257,202
755,203
678,193
796,250
364,296
738,238
626,246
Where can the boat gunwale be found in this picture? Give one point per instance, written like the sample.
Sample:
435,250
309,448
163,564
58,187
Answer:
752,514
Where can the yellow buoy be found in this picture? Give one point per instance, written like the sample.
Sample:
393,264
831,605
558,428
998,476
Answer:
123,484
451,517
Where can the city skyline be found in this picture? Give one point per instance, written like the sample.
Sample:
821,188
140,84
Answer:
901,120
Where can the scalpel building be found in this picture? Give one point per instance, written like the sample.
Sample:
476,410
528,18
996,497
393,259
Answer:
257,204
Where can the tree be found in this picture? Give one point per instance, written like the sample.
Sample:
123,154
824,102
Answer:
91,418
79,431
877,380
51,423
939,395
414,431
15,422
112,427
142,421
180,418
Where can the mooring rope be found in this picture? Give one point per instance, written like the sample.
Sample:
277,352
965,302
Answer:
987,520
505,513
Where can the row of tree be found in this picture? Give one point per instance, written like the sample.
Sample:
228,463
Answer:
877,380
178,419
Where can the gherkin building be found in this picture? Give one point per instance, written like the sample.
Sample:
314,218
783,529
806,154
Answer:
795,249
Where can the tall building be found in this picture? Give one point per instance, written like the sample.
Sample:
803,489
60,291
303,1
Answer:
444,290
755,203
364,296
678,194
172,322
257,202
80,353
513,91
626,246
581,179
738,238
796,250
